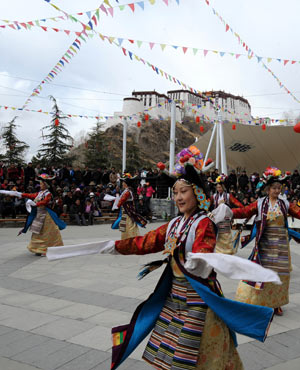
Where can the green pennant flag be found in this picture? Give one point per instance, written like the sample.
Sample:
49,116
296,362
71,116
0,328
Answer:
82,38
37,23
139,43
68,56
91,35
122,7
97,14
195,51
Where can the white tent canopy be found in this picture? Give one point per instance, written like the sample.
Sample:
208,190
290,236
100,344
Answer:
249,147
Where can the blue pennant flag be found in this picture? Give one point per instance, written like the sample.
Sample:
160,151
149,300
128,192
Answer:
141,4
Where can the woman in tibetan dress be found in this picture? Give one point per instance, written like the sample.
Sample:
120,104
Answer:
271,248
128,219
191,323
225,239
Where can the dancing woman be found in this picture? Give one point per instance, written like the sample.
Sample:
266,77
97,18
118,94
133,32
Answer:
271,248
42,221
192,323
128,219
225,239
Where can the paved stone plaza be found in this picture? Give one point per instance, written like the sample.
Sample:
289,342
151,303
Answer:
58,315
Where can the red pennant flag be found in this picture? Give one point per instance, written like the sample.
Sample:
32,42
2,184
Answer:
124,51
2,26
293,61
24,25
184,49
285,62
237,55
67,32
12,26
55,29
131,6
132,41
31,23
227,27
44,28
95,20
78,33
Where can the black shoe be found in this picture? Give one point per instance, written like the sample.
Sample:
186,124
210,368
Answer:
38,254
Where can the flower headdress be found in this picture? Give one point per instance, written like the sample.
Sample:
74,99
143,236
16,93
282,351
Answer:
273,174
190,167
46,177
128,178
221,179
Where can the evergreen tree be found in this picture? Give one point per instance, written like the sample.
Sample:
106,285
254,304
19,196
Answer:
15,149
134,157
58,141
96,148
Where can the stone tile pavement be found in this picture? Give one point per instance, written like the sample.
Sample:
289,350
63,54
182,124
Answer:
58,315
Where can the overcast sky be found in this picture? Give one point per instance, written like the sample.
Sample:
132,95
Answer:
99,76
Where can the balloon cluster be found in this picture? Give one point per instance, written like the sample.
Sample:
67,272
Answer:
190,155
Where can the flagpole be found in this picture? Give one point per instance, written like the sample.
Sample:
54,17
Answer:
124,144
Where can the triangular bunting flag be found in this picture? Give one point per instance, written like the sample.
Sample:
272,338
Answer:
124,51
141,4
258,58
102,7
120,41
130,54
205,52
237,55
131,6
139,43
222,53
151,44
184,49
166,2
195,51
227,27
111,11
269,60
162,46
285,62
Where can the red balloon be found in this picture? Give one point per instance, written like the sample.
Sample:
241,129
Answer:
138,124
264,127
209,161
146,117
197,119
161,166
297,127
234,127
201,128
56,122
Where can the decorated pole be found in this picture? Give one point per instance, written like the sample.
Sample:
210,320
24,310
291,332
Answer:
218,146
210,142
124,144
172,136
222,146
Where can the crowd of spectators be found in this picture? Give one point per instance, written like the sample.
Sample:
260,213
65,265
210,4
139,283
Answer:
80,193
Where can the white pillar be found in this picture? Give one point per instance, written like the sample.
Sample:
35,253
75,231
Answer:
218,146
124,144
222,146
172,136
210,142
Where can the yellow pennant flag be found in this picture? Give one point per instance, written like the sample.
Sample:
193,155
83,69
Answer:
111,39
162,46
54,6
152,2
107,2
269,60
136,57
101,36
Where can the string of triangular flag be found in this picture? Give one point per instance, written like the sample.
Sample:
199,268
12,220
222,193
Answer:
250,51
193,50
107,10
195,108
67,56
